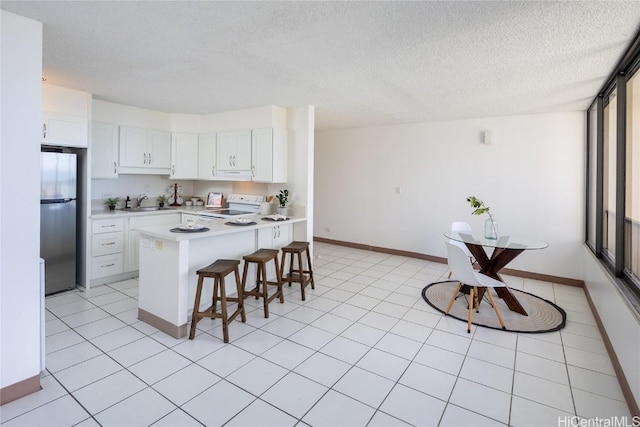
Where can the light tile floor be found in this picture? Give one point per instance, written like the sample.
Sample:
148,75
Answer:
363,350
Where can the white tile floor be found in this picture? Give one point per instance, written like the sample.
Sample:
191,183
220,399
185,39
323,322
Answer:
363,350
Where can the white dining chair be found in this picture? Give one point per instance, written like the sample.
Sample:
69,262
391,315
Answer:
461,226
465,275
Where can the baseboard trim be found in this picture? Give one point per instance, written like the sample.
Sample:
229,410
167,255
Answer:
165,326
518,273
20,389
617,368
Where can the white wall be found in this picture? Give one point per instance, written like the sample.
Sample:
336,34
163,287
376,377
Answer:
623,328
21,68
301,125
532,177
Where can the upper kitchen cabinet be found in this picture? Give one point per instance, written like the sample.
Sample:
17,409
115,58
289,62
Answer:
269,155
144,151
184,156
65,115
104,150
233,155
207,157
64,130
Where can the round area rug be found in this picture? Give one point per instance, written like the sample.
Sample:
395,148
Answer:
544,316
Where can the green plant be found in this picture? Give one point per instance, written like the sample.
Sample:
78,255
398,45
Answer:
112,201
480,208
162,198
283,197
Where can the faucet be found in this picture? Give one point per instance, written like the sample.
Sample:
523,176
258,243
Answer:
141,197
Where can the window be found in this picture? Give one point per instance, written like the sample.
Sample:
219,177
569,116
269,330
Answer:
632,180
609,186
591,177
612,209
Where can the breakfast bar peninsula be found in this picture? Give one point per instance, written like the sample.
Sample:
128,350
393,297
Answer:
169,261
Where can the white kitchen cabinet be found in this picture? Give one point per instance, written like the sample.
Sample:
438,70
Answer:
207,156
159,146
144,151
104,150
269,155
64,130
184,156
107,247
274,238
233,154
132,251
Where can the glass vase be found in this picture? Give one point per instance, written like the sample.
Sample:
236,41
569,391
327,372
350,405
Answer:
491,229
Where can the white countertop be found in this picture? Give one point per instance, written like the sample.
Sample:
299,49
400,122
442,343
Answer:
105,213
216,227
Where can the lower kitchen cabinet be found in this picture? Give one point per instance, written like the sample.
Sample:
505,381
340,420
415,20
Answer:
274,238
107,247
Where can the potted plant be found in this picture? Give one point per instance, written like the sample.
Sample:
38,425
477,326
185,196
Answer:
162,199
112,202
490,225
283,199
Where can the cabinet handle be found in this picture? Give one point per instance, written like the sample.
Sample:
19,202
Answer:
149,158
234,160
230,164
44,130
107,265
145,158
115,168
173,169
253,171
213,171
109,244
108,226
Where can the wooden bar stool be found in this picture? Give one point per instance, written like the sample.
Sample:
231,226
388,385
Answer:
299,275
261,257
218,271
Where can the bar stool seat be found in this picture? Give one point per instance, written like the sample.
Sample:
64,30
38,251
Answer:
218,271
261,257
299,275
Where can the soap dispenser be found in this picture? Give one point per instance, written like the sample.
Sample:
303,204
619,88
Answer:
127,203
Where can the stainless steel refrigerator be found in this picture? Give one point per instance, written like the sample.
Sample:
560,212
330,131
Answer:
58,220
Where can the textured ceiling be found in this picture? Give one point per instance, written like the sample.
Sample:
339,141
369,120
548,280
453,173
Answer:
358,63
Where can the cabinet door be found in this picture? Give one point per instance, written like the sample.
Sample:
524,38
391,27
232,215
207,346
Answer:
262,155
243,150
207,156
234,150
64,130
282,236
159,149
184,156
104,150
226,149
133,147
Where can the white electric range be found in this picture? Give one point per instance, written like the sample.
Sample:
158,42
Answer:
239,205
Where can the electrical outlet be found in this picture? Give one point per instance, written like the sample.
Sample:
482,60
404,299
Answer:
106,195
327,229
398,190
147,188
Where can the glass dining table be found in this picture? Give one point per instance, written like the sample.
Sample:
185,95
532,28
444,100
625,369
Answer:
504,250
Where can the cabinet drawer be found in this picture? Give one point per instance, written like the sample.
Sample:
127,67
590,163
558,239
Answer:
107,225
106,265
107,243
